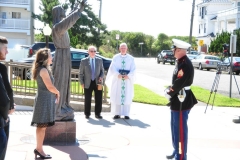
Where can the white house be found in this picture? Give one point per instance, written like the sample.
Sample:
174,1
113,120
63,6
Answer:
215,16
16,23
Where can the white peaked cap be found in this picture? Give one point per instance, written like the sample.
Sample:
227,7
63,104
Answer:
180,44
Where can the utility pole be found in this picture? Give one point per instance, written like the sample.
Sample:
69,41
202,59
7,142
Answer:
100,15
100,11
191,25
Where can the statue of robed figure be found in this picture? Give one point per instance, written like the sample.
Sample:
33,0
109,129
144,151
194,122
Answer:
61,68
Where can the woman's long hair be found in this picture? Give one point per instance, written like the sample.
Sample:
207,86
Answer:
40,61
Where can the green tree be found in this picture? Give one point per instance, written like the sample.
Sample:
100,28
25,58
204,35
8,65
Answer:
216,44
87,25
186,39
39,37
162,41
162,38
46,9
88,29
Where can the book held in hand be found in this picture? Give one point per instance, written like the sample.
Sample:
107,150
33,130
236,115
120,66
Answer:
124,72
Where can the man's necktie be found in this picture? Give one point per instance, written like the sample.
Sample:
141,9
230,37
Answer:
93,71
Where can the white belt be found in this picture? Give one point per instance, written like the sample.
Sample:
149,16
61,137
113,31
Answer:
187,88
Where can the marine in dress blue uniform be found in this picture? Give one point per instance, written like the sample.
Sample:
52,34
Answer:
182,78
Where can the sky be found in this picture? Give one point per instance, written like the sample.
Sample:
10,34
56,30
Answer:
151,17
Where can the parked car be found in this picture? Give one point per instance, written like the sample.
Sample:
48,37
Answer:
193,53
76,56
225,65
191,56
37,45
26,72
206,62
166,56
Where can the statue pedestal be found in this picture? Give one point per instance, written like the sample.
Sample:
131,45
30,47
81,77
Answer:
62,133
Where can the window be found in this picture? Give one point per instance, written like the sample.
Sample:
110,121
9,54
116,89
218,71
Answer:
203,9
3,15
238,5
16,15
200,11
237,59
199,30
226,60
78,55
204,27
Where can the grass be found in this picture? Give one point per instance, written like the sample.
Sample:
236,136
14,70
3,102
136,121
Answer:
144,95
220,100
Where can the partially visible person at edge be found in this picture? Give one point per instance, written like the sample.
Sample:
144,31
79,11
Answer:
183,76
120,81
91,73
46,97
5,126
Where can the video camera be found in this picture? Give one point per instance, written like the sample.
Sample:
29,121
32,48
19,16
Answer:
226,50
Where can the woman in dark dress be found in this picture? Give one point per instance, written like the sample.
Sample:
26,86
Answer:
47,96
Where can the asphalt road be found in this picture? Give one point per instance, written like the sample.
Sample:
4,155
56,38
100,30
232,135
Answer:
202,78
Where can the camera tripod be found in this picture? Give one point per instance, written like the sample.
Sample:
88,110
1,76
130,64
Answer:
216,83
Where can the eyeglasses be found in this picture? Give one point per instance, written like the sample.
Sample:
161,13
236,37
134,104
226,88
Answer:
92,51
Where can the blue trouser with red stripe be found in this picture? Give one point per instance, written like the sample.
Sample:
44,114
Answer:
179,130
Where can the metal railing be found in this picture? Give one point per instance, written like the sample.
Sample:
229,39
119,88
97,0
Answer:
227,12
14,23
24,2
22,84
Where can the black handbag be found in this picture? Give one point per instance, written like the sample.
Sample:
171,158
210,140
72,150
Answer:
4,100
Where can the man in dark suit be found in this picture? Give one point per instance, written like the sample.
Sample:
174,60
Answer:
91,73
4,124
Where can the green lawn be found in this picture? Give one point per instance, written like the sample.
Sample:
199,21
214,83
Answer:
144,95
220,100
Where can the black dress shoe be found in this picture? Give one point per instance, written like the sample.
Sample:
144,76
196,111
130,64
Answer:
98,116
170,156
116,117
126,117
86,116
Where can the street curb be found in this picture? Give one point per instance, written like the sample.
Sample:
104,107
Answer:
76,105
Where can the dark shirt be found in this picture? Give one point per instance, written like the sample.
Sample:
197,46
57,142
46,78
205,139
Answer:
182,77
3,71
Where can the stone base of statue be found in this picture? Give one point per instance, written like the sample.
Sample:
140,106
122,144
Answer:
236,120
62,133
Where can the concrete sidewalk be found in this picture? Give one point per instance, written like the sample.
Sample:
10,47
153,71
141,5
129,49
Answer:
147,135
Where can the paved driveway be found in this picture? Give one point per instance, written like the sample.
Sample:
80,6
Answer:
202,78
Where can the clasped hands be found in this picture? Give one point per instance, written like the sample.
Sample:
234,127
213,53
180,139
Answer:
166,91
123,76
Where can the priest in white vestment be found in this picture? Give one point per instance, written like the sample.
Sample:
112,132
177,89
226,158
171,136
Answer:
120,82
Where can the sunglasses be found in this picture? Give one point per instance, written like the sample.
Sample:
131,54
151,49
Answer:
92,51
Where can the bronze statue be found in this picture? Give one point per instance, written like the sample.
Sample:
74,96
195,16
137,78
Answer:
61,68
